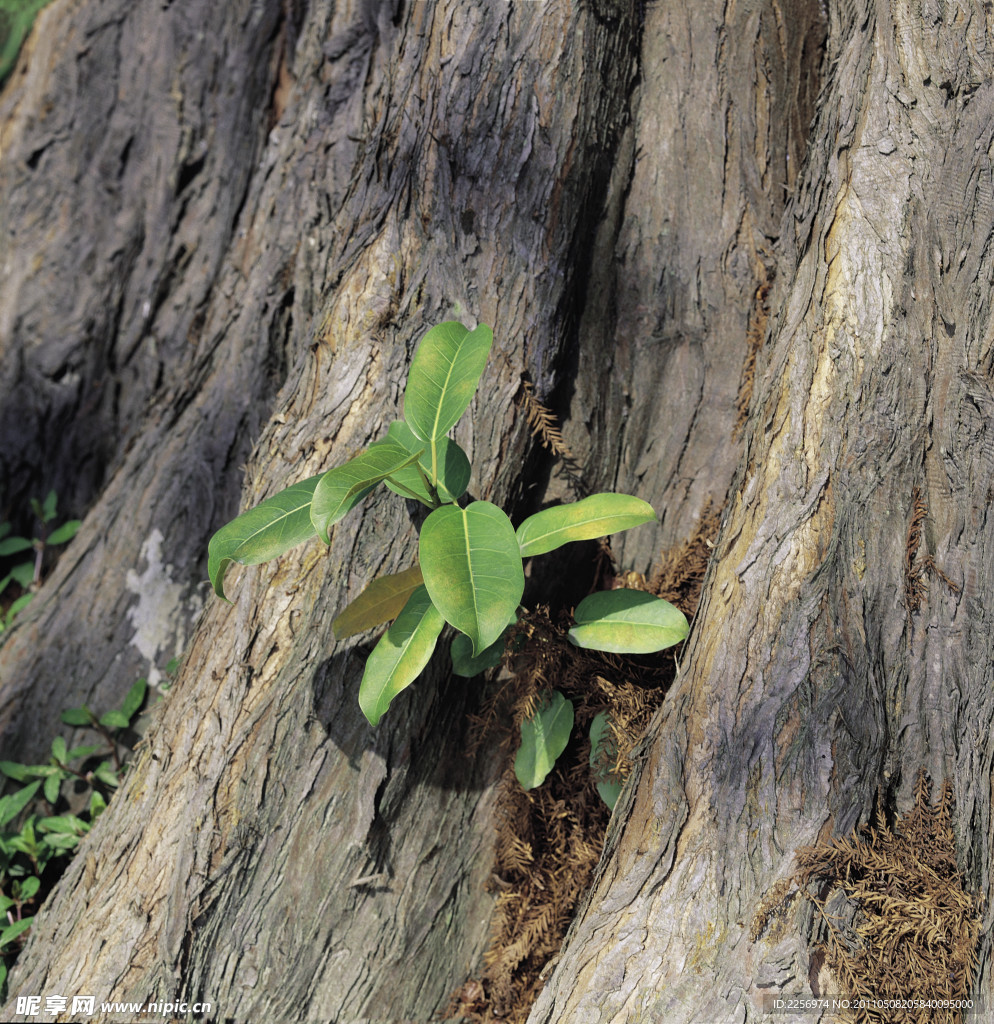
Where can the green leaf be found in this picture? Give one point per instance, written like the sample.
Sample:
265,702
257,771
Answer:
23,574
60,840
48,509
381,601
78,716
452,466
77,752
135,698
36,771
543,738
114,720
107,775
11,932
627,622
18,19
12,804
463,662
603,752
65,532
64,823
53,783
342,488
12,545
271,528
596,516
26,841
97,805
21,845
16,771
18,606
444,376
400,656
59,749
472,569
28,887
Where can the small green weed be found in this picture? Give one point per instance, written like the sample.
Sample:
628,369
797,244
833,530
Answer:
35,847
26,572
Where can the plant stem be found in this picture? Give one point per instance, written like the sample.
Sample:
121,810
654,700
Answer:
429,486
410,493
39,555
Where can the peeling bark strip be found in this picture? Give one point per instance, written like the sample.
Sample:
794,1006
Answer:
808,687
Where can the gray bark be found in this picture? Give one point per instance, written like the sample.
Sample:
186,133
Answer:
146,326
619,191
811,681
269,852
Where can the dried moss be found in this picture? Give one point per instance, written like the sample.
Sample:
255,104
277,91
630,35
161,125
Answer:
549,840
907,927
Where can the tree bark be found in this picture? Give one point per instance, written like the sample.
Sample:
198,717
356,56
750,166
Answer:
619,190
813,685
145,333
269,852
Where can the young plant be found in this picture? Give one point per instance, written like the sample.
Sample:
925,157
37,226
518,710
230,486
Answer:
30,845
26,573
469,572
111,726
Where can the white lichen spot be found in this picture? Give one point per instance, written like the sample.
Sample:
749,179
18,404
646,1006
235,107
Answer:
160,611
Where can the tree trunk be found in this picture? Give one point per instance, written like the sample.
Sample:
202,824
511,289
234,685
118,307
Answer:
278,203
269,852
833,656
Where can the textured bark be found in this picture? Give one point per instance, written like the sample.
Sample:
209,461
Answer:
618,190
811,681
269,852
146,324
125,166
685,257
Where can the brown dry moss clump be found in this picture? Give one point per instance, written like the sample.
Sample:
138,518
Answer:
911,930
915,568
550,839
759,317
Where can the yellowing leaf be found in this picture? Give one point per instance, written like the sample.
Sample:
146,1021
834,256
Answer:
596,516
627,622
381,601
